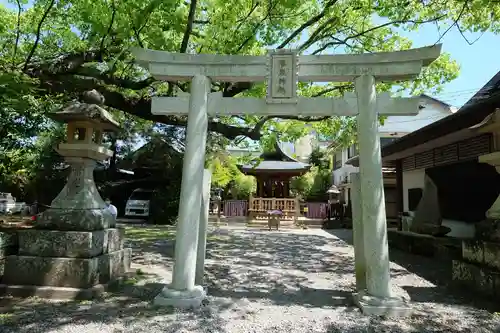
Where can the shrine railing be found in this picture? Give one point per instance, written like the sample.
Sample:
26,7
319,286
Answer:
258,208
240,208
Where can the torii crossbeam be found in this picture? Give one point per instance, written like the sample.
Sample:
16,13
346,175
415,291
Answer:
312,106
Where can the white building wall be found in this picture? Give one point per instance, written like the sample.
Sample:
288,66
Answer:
344,172
432,112
412,179
398,126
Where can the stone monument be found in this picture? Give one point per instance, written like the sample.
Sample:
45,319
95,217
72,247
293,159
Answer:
74,249
428,219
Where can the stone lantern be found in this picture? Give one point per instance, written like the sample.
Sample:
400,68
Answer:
74,249
79,205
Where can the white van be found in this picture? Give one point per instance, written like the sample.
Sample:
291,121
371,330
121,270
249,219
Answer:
8,204
138,203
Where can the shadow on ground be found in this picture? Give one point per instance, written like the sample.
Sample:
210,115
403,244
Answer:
276,268
435,270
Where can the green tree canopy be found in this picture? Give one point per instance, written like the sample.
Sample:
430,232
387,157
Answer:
54,50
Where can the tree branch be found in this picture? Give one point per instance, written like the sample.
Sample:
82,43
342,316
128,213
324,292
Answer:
66,63
136,106
254,7
341,88
262,121
462,11
112,21
362,33
143,20
38,32
312,39
307,24
107,78
189,26
18,32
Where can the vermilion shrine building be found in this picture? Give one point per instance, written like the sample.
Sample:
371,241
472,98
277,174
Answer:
274,171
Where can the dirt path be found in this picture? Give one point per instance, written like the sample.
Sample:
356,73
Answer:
287,281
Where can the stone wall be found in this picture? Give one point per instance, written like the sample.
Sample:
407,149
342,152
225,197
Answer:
425,245
479,268
8,246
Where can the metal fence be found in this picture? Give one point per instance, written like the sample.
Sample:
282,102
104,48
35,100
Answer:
233,208
316,210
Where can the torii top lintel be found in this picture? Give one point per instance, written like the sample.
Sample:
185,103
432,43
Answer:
384,66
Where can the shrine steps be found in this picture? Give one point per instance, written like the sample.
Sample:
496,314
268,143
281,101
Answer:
262,224
288,224
244,221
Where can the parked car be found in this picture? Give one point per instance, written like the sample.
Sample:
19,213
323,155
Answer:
138,204
8,204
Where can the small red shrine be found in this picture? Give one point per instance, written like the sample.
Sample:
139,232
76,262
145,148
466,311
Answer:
273,171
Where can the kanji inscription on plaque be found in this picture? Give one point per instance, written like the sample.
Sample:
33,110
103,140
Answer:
282,76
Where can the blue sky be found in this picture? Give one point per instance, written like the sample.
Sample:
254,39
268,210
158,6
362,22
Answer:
479,62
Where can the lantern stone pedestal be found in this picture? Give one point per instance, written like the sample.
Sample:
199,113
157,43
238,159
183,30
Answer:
74,250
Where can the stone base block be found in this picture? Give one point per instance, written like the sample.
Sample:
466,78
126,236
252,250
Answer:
7,251
55,272
388,307
180,299
2,267
80,273
75,219
70,244
482,253
57,293
411,242
476,278
114,264
424,245
8,239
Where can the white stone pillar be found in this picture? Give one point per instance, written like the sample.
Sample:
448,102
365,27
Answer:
372,190
202,233
357,231
377,300
183,292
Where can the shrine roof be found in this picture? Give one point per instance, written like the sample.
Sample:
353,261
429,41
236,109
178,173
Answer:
473,112
274,162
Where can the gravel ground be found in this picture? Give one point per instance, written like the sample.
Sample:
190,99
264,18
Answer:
259,281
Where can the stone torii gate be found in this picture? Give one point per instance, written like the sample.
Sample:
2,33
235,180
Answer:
282,69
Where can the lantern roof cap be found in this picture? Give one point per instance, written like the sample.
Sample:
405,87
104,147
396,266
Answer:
89,110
